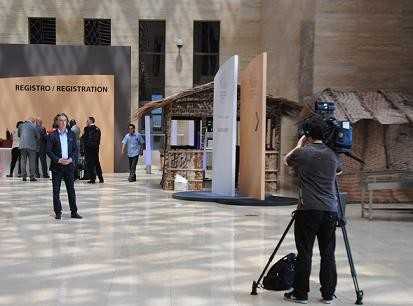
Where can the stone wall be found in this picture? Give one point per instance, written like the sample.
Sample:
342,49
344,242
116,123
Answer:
240,28
382,147
348,44
287,36
344,44
363,44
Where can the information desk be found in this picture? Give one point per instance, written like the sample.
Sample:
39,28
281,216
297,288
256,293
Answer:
5,157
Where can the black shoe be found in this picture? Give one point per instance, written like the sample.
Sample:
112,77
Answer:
290,296
33,179
24,179
91,182
58,216
46,176
9,175
76,216
327,299
101,181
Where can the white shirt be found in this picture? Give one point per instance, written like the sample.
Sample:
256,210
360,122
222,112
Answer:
16,139
63,143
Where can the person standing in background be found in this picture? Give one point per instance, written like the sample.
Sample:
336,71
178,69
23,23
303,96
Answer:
54,127
9,135
134,142
41,154
91,143
82,153
76,130
15,152
62,150
29,137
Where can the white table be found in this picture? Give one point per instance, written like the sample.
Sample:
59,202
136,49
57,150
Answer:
5,158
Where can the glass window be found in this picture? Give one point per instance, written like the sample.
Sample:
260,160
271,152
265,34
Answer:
206,51
97,31
151,59
42,30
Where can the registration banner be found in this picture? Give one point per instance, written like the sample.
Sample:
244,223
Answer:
79,96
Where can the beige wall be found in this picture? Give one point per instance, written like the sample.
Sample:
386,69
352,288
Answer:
311,44
364,44
240,28
351,44
286,36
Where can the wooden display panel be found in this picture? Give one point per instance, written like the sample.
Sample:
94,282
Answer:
252,128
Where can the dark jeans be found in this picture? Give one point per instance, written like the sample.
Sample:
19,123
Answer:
308,225
67,174
93,165
133,161
43,162
15,156
28,154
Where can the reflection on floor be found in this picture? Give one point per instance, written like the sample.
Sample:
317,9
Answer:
137,246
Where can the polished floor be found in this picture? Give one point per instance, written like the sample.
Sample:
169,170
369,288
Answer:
138,246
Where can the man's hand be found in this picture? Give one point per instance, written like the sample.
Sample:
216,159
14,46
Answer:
65,162
302,142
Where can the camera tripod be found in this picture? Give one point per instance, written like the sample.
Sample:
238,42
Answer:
342,225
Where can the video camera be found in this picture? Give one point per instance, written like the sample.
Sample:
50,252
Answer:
338,135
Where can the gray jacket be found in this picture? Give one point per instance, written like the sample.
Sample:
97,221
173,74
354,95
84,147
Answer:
75,129
29,136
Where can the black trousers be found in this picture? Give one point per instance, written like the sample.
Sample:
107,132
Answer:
93,165
133,161
41,155
15,156
66,173
85,168
310,224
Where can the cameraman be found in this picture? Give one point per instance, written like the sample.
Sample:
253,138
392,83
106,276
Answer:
317,166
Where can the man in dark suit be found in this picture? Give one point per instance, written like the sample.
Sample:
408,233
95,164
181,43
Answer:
63,152
91,143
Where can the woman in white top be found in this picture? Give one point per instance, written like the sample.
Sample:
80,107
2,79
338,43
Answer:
15,152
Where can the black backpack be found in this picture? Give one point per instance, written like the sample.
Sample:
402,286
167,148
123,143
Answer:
281,275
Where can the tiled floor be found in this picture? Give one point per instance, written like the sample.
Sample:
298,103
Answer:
138,246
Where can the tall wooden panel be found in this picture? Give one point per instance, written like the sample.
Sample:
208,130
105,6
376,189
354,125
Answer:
252,128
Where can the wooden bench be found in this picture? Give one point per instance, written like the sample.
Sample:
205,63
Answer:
383,180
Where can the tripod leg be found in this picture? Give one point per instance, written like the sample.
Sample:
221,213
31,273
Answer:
255,284
359,293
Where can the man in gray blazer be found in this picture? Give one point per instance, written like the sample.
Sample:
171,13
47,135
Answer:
29,139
